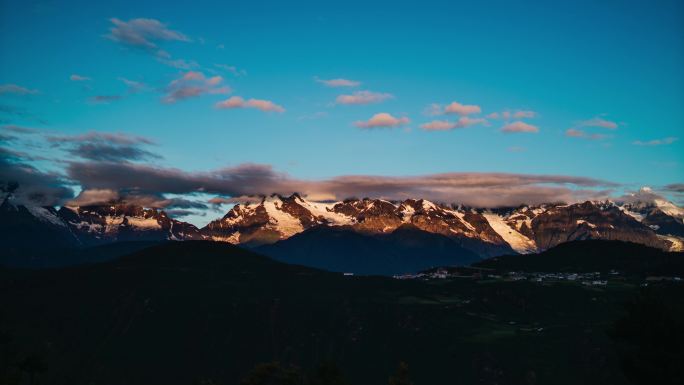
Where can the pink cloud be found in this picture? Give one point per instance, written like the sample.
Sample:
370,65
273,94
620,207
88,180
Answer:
462,109
193,84
598,122
339,82
363,97
15,89
576,133
515,114
239,102
519,126
524,114
438,125
382,119
444,125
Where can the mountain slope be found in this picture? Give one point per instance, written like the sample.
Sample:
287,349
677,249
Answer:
593,255
407,249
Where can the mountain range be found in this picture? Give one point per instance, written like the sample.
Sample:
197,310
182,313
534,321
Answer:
333,234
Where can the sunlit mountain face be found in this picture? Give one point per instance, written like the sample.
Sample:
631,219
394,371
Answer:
481,143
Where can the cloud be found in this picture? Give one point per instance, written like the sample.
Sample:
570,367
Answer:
461,109
79,78
232,69
239,102
96,136
92,197
516,149
675,187
143,34
516,114
382,120
444,125
106,147
433,109
134,86
363,97
576,133
180,64
473,189
15,89
19,129
217,201
29,185
339,82
519,126
193,84
105,98
656,142
109,176
598,122
108,152
438,125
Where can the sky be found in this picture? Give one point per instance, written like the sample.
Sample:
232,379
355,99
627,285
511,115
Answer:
487,102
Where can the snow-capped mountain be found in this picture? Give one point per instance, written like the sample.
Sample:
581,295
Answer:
121,222
485,231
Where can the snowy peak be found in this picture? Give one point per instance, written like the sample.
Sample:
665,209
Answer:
123,222
523,229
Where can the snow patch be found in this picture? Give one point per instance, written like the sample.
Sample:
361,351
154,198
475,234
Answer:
284,223
144,223
324,210
45,215
580,221
677,242
516,240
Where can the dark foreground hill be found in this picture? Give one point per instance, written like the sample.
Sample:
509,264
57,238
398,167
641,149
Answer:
593,255
197,312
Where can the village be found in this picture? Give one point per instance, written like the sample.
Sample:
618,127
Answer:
586,279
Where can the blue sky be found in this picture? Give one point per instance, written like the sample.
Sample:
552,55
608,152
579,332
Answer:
610,71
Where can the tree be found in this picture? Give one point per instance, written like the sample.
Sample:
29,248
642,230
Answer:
650,337
273,373
327,373
401,377
33,365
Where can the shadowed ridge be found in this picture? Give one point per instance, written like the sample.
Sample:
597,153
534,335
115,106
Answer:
593,255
